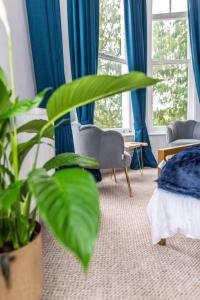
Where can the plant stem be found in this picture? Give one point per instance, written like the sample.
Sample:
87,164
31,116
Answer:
27,206
13,99
42,131
37,153
14,135
11,67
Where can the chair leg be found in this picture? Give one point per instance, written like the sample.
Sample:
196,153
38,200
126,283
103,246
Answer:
114,174
162,242
128,182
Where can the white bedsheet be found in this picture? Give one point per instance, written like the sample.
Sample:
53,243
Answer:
171,213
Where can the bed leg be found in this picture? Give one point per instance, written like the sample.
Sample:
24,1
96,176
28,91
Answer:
162,242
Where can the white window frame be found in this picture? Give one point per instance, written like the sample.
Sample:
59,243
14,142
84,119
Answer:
191,88
127,114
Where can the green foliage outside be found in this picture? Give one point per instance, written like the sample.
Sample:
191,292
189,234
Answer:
108,112
170,95
169,43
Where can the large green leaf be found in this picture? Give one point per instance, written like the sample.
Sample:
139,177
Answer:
9,196
90,88
4,170
4,97
4,127
3,77
23,106
35,126
68,204
24,148
70,159
32,127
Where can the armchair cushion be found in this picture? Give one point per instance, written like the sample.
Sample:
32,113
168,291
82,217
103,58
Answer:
185,130
126,160
183,142
196,134
181,133
171,133
112,150
107,146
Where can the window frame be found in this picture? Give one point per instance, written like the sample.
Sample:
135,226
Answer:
127,114
153,129
126,98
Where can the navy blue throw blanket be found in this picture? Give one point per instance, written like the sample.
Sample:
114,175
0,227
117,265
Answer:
181,174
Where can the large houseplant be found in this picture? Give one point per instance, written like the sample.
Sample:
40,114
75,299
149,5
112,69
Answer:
67,201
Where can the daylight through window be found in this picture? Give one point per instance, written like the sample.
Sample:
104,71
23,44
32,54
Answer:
112,112
169,61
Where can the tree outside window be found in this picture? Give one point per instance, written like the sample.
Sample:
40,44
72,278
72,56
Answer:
109,111
170,61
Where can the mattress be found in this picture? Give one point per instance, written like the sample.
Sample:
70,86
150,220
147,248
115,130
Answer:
170,213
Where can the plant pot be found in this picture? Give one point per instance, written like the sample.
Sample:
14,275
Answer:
25,272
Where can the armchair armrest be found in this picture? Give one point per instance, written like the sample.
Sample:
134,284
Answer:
113,142
112,149
164,152
171,136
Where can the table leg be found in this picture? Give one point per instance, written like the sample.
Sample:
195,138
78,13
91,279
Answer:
114,174
142,163
138,160
128,182
162,242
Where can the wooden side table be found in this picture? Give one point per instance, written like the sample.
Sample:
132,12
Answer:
134,146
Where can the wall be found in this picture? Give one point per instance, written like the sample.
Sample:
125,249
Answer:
24,78
24,74
23,71
64,24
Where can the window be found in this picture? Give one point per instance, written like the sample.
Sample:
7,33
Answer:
169,60
112,112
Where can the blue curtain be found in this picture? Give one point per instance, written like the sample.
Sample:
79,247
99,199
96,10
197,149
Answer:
83,22
136,42
194,27
83,26
47,51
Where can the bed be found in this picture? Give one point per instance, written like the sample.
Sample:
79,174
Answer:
171,213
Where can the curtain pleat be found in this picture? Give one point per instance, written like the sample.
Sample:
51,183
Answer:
194,28
136,43
83,25
47,51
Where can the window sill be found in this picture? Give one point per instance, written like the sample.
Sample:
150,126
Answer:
157,133
128,134
131,134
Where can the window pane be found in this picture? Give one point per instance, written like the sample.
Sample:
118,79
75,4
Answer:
179,5
108,112
160,6
170,95
110,27
169,39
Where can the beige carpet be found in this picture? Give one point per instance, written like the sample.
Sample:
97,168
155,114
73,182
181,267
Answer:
125,265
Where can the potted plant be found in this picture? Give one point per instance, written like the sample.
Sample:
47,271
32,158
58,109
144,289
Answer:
67,201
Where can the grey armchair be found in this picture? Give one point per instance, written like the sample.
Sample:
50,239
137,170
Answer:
182,133
106,146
